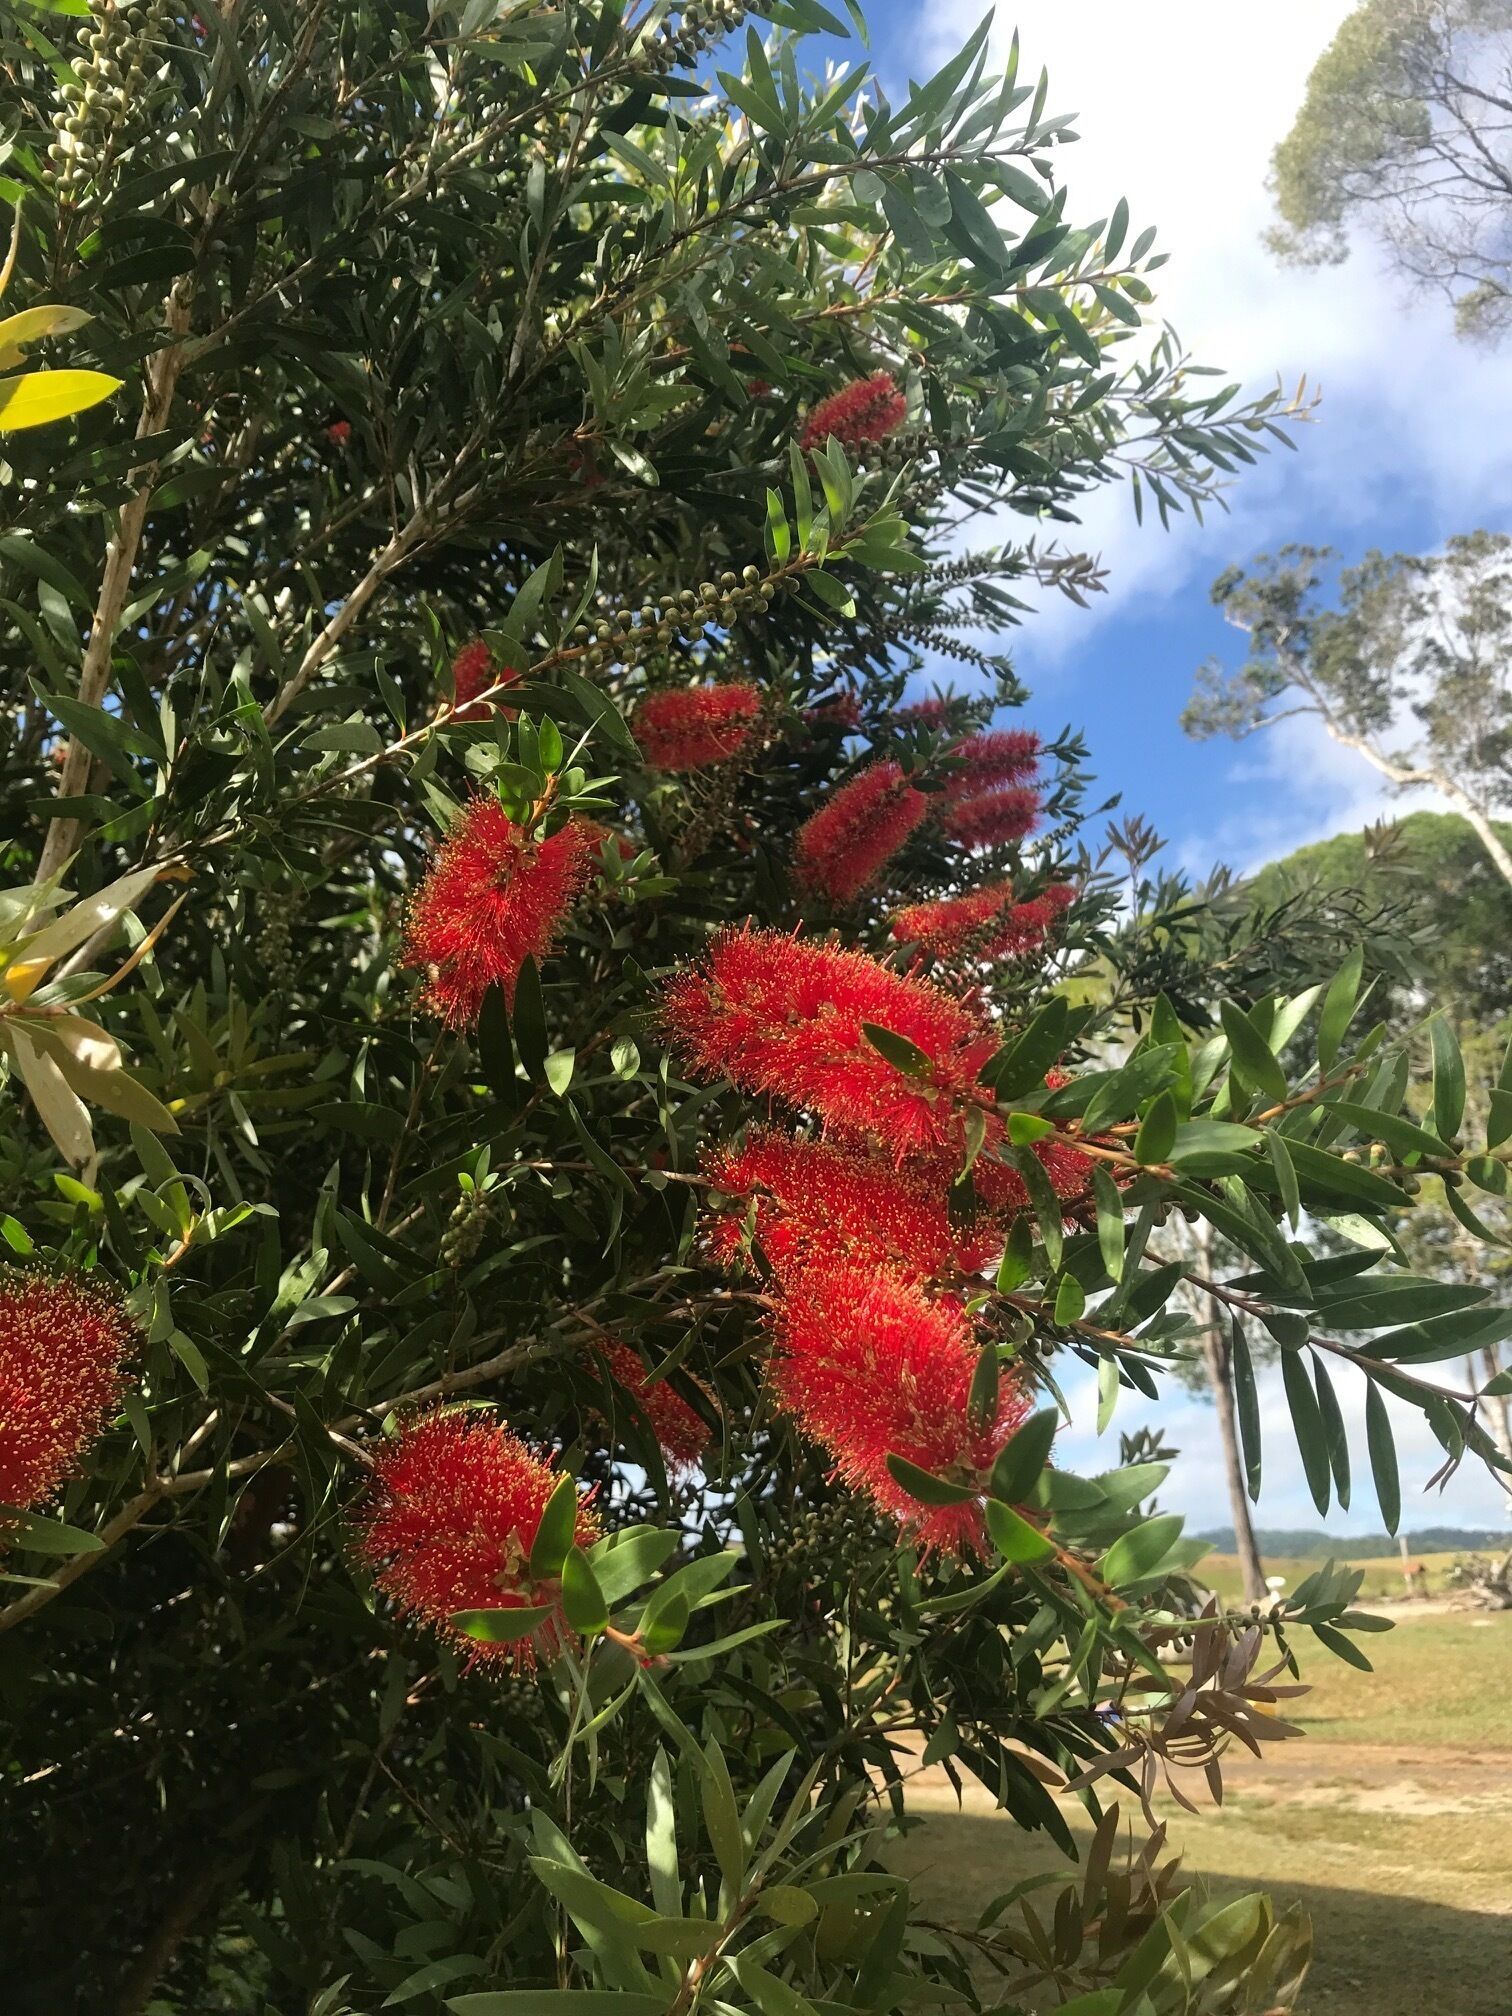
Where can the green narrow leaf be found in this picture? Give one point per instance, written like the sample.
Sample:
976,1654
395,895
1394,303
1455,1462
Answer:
1110,1221
1138,1555
1246,1406
1448,1080
1308,1422
1253,1058
1107,1392
582,1598
1015,1539
1018,1256
501,1627
899,1052
1383,1458
1157,1131
1334,1431
1286,1177
925,1486
1023,1457
554,1536
528,1020
1339,1005
1020,1066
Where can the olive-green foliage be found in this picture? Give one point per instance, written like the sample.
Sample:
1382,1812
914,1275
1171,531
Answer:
1403,131
430,323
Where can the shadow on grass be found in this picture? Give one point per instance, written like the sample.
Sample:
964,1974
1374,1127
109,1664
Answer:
1375,1954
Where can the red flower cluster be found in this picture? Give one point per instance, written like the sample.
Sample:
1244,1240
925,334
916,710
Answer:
992,801
339,433
993,819
64,1341
681,1432
866,411
985,921
870,1367
454,1509
690,727
847,843
474,670
810,1203
783,1017
492,898
1005,756
842,711
935,712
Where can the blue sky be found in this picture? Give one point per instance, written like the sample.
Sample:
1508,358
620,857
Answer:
1180,103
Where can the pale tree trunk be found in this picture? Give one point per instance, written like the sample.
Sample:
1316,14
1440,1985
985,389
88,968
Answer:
1221,1378
1498,1412
1220,1371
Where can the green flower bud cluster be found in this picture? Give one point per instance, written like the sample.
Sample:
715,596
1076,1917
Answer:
825,1543
703,23
275,941
106,82
465,1228
625,636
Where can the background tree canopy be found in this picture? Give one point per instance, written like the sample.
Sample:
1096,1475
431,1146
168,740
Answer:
1407,129
561,1138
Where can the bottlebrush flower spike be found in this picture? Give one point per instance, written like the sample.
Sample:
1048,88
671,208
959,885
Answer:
935,712
339,433
866,411
454,1507
848,842
783,1017
64,1342
1006,756
869,1367
681,1432
492,898
842,711
993,819
986,921
690,727
474,670
820,1204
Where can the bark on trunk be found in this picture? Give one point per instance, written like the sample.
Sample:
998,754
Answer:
1221,1379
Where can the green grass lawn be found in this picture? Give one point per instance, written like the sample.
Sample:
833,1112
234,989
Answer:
1382,1577
1391,1824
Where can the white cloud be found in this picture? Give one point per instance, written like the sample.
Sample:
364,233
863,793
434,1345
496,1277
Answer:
1178,106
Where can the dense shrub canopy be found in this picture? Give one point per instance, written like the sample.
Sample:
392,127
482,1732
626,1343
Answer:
606,1239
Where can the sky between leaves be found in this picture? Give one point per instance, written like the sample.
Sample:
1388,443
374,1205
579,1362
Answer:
1180,103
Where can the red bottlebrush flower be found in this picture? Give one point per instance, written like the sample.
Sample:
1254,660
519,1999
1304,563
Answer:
583,467
759,388
681,1432
1007,756
690,727
339,433
935,712
847,843
474,670
842,711
944,927
448,1525
985,921
868,410
869,1367
783,1016
64,1341
492,898
820,1204
993,819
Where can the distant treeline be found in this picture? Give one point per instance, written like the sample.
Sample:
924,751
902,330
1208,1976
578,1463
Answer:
1307,1543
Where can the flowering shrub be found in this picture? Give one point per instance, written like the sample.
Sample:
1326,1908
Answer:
661,1063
